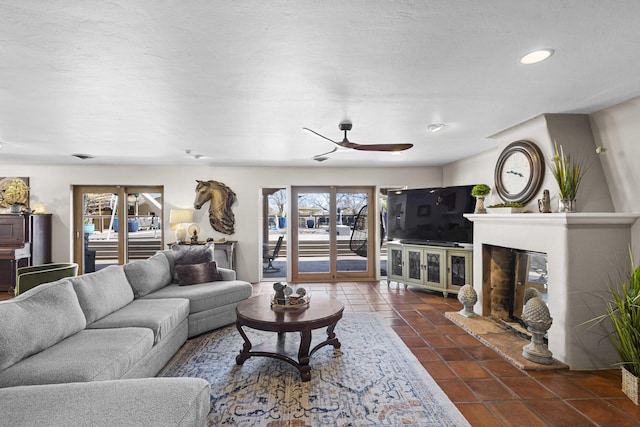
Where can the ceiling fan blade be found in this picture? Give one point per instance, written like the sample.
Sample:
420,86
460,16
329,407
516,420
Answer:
324,154
321,136
380,147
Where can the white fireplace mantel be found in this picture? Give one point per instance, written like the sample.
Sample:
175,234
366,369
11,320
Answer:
583,251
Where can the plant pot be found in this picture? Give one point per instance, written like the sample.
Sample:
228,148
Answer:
505,210
133,226
630,385
566,205
310,223
89,228
282,222
14,208
480,209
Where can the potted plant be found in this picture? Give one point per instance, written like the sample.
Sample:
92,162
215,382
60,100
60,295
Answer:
15,195
479,191
623,310
568,173
508,207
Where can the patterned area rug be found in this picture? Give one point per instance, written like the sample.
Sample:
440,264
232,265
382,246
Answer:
373,380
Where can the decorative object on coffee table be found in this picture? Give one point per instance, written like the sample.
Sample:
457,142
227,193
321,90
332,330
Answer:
295,349
283,297
538,320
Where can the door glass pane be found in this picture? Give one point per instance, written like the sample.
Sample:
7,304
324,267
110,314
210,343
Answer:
100,230
352,231
312,220
144,237
274,244
102,221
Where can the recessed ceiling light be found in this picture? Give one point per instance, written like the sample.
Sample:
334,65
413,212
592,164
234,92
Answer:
436,127
83,156
536,56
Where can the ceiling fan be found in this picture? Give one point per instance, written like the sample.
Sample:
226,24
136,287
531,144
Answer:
345,143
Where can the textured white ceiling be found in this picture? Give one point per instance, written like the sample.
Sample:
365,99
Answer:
141,81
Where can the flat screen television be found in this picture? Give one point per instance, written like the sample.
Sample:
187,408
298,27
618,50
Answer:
431,215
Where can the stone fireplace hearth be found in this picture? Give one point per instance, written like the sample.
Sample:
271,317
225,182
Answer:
582,250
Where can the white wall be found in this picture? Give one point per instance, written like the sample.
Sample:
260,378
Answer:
572,131
51,185
618,129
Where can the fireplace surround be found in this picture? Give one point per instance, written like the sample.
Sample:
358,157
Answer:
582,249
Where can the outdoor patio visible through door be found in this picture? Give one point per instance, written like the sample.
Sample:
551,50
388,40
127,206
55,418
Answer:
332,234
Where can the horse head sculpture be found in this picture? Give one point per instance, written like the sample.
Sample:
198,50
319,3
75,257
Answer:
221,199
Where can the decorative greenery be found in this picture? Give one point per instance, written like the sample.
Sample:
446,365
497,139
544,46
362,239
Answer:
568,172
480,190
508,205
15,193
623,310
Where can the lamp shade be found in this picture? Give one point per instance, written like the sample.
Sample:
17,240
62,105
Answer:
180,216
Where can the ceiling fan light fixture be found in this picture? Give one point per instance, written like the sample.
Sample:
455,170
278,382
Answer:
536,56
436,127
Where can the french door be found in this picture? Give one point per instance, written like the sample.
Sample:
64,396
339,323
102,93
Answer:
332,235
114,225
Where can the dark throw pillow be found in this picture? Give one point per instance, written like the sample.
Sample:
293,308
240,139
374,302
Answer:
192,274
191,254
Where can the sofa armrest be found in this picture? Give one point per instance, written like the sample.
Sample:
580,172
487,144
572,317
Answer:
139,402
227,274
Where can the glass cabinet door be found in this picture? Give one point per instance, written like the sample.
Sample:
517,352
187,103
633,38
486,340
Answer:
395,260
435,266
459,271
414,265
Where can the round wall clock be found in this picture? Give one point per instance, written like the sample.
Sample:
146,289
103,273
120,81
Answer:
519,172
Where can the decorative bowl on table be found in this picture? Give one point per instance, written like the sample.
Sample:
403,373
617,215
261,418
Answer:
285,297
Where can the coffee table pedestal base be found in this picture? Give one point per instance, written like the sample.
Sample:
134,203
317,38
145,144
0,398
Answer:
288,350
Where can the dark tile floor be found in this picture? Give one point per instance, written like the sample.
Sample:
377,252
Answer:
487,389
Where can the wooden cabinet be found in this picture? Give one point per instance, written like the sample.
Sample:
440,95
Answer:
24,240
436,268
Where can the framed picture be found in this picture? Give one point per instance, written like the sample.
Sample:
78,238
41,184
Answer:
14,190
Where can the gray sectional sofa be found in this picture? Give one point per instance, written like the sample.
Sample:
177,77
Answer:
96,338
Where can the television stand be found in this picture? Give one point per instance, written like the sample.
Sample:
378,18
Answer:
430,265
430,243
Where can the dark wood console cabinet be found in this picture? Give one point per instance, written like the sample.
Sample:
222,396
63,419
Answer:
24,240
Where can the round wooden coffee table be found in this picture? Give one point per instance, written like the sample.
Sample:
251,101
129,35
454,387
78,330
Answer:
256,313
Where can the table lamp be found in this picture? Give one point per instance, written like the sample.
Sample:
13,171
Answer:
178,217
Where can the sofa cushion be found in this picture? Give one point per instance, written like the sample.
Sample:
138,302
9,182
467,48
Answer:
89,355
148,275
158,402
189,254
205,296
38,319
159,315
192,274
102,292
